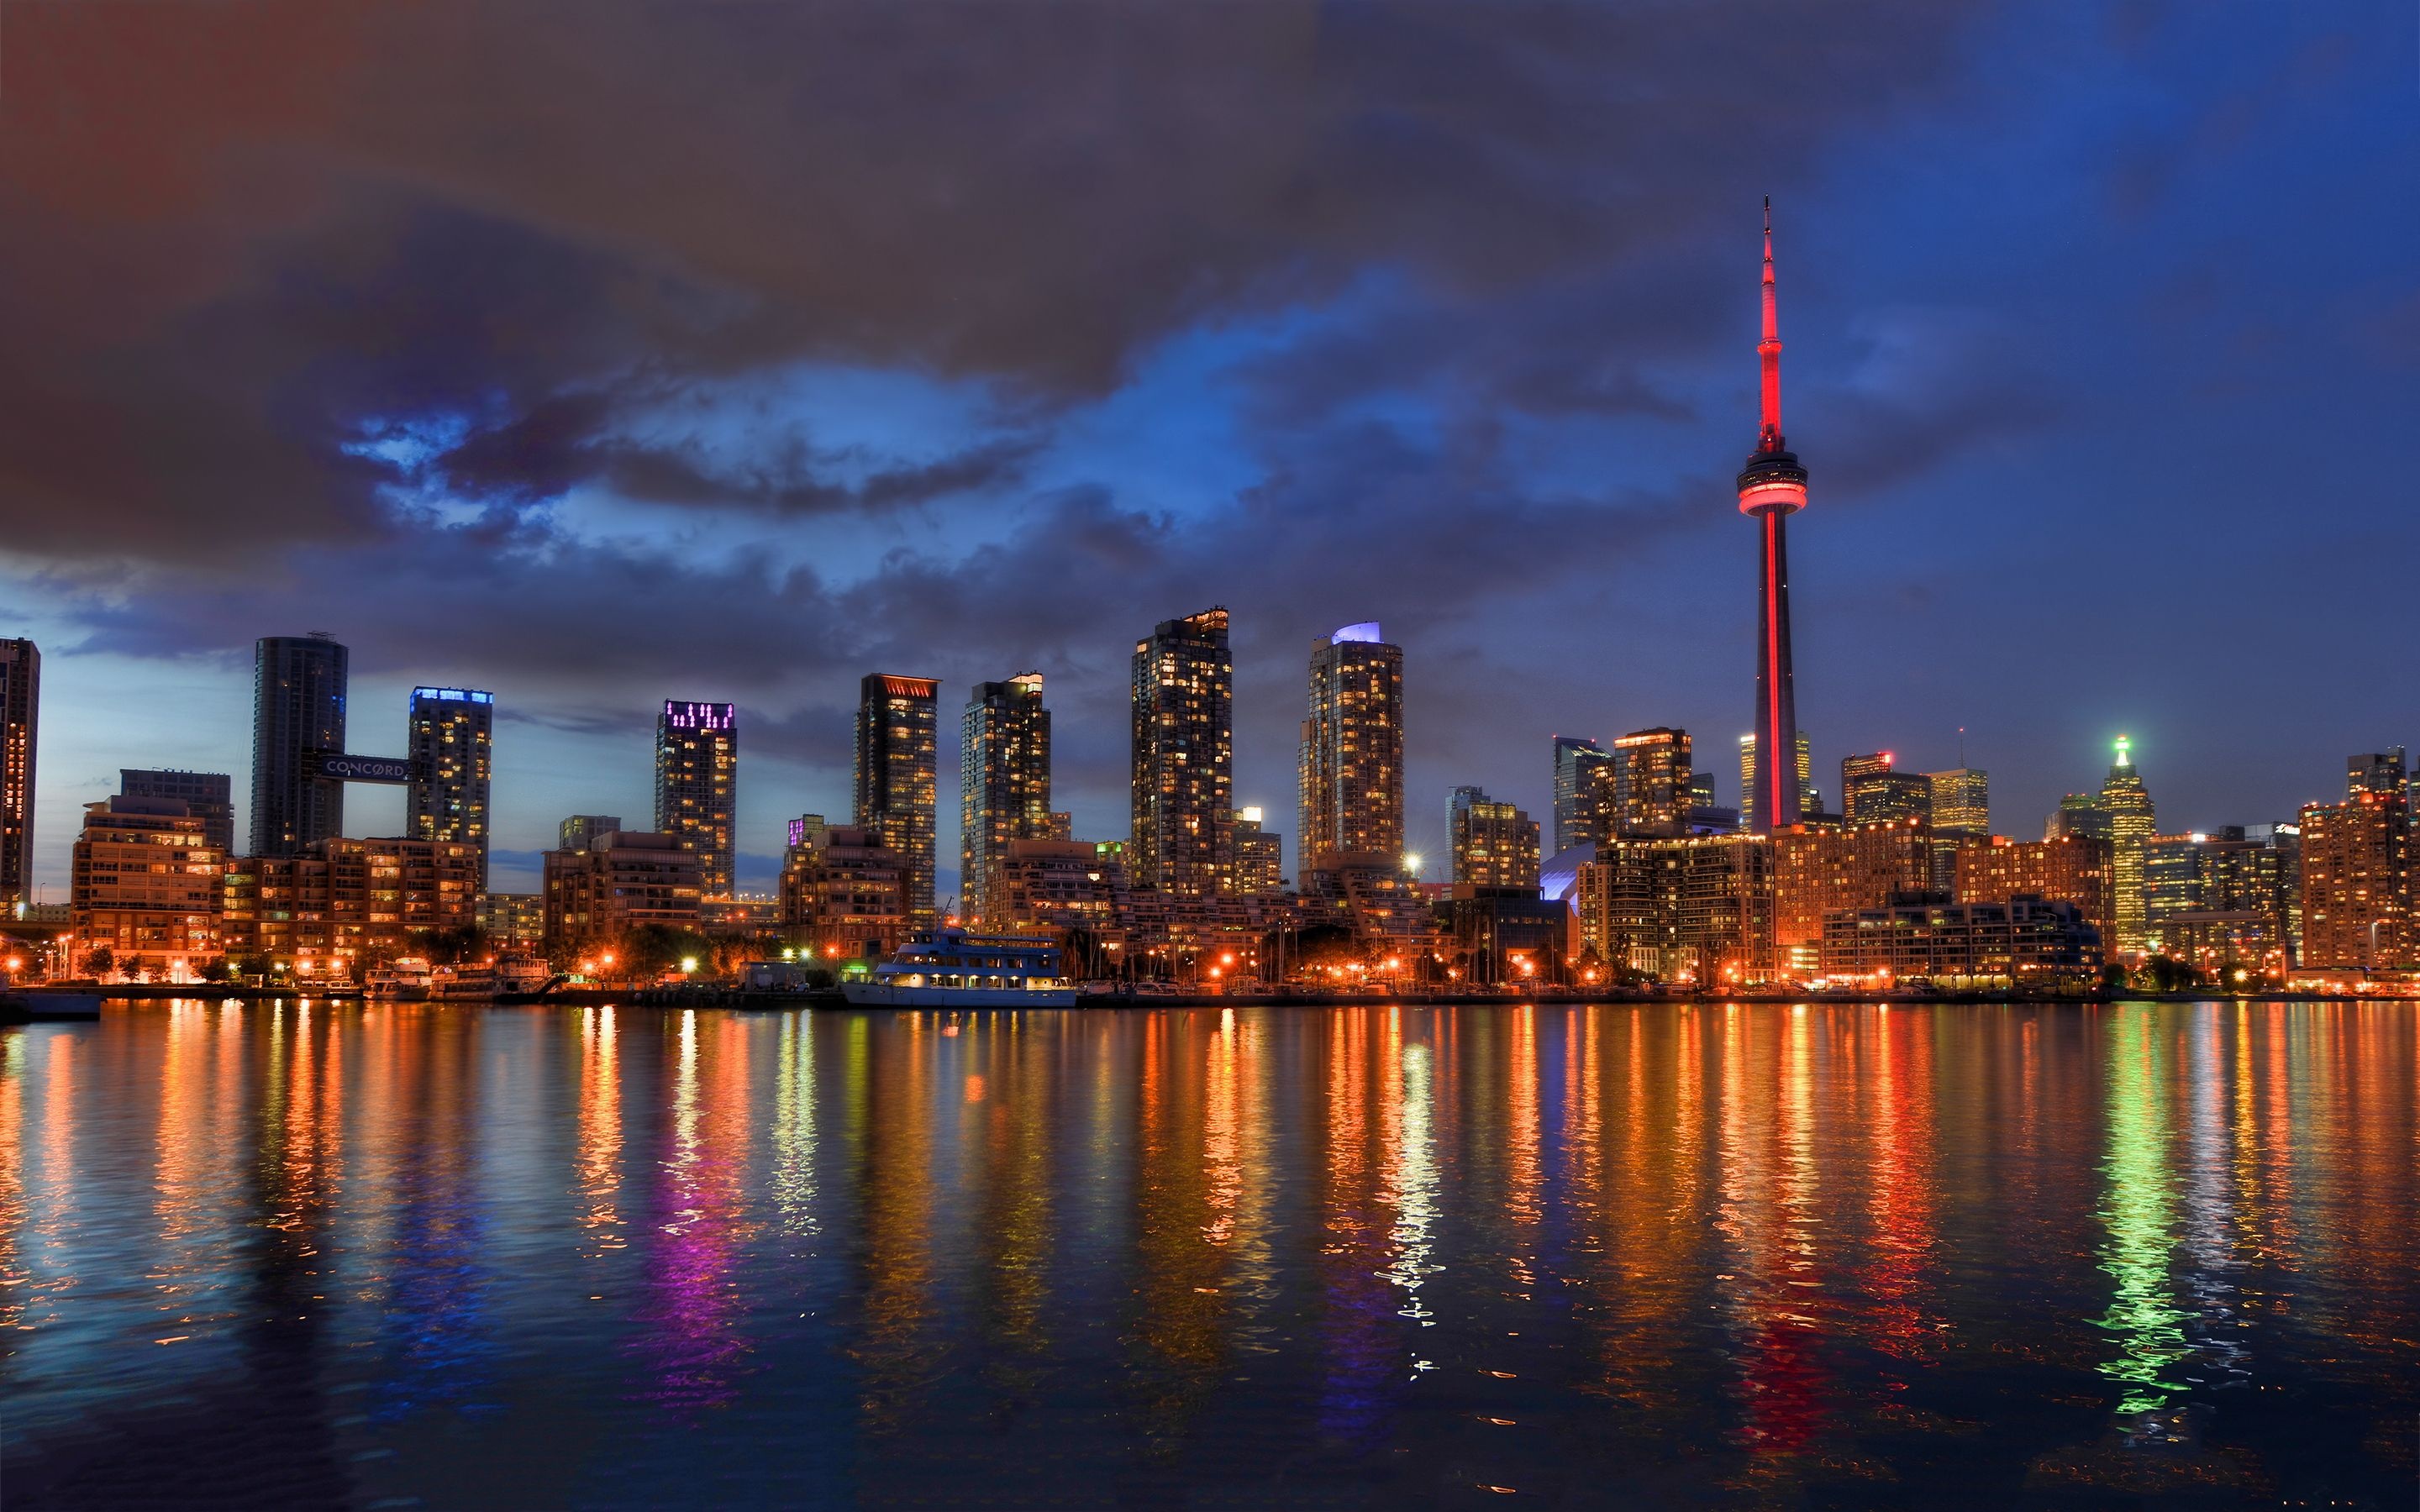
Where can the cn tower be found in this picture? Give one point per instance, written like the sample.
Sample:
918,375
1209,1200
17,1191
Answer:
1773,488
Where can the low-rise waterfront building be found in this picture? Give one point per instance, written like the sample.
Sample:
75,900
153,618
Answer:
1061,884
513,921
1371,892
346,901
2073,867
845,895
625,879
146,895
2021,941
1505,934
1817,872
1260,855
1687,910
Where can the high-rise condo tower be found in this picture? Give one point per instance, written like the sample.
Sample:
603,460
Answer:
298,716
697,786
1003,784
1351,773
1184,841
897,779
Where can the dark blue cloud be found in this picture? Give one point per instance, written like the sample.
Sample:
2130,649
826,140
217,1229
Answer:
2095,320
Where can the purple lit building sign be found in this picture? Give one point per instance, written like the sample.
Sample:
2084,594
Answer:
798,833
699,715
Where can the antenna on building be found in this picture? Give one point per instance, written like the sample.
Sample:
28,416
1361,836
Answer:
1962,746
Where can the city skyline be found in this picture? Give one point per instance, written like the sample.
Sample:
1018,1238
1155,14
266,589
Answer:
1084,753
2059,315
757,874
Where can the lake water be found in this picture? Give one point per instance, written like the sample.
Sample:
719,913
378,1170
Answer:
1634,1255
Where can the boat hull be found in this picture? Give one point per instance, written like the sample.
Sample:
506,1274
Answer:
36,1006
881,995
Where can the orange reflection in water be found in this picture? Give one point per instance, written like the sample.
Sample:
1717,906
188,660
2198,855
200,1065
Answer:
1354,1327
1772,1248
597,1174
1182,1220
1015,1167
15,1290
1769,1211
1899,1097
896,1344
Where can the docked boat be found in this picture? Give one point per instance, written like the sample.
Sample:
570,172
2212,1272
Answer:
957,968
404,979
43,1005
504,975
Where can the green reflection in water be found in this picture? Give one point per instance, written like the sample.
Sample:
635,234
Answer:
2138,1210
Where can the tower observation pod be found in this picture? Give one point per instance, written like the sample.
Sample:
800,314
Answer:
1773,488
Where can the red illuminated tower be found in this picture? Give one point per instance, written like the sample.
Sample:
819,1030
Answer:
1772,488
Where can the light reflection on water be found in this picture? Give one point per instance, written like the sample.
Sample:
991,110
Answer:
1632,1254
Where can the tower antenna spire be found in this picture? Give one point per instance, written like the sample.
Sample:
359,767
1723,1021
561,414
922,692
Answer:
1768,349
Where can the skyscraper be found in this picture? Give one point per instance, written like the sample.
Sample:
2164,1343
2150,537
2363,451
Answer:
1352,763
697,787
2376,771
20,697
1807,797
898,781
453,736
209,796
2078,813
1003,781
2128,802
1651,789
1578,763
1183,690
1961,815
2356,882
298,714
1872,793
1773,488
1495,844
1961,801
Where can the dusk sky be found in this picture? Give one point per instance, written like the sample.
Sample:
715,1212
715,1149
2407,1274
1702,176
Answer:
600,354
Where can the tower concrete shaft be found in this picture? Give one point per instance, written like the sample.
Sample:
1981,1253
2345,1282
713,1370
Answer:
1773,488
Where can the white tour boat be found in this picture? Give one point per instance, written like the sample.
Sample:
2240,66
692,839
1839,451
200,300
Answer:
955,969
404,981
504,976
